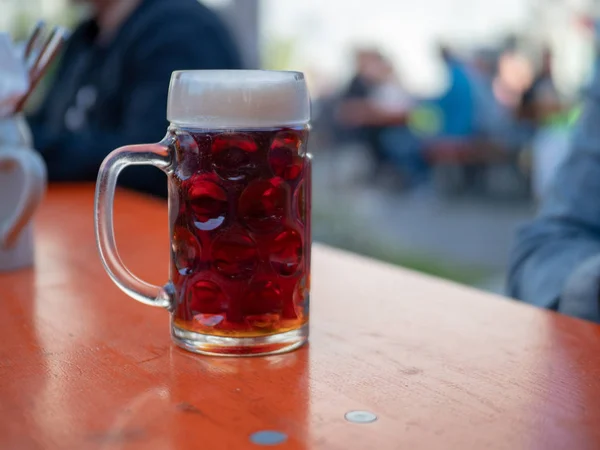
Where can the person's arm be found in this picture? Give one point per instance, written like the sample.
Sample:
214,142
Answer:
363,112
556,260
186,46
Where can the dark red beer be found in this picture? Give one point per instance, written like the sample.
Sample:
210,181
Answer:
240,231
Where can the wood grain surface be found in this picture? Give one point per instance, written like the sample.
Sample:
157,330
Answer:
443,366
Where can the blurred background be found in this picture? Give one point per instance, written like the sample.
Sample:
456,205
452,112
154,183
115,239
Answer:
437,123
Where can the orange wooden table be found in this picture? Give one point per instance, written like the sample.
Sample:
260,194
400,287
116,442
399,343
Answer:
442,366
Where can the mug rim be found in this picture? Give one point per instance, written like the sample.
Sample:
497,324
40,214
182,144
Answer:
299,75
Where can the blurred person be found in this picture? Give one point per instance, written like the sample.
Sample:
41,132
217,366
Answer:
456,135
540,113
541,99
361,83
457,104
514,74
377,104
492,120
387,93
353,110
555,263
111,85
391,105
591,25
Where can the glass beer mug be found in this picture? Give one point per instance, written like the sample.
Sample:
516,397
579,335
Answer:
239,212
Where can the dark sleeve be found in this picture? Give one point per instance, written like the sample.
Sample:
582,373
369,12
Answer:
528,97
556,260
78,43
160,51
356,89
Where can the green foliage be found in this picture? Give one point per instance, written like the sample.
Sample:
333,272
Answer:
420,263
334,228
21,24
278,54
24,18
426,120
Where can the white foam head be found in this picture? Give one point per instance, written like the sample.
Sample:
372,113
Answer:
237,99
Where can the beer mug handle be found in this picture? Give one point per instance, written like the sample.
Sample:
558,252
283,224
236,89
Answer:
146,154
32,190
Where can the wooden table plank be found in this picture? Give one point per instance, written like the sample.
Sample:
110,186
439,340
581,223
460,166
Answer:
443,366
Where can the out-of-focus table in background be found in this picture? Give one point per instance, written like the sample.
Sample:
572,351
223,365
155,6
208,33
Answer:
443,366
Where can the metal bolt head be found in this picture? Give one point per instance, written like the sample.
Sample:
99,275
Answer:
360,417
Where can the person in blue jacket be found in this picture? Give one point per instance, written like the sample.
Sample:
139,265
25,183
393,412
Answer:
556,260
110,88
457,104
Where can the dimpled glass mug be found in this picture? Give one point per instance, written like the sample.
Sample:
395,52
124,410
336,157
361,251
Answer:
239,212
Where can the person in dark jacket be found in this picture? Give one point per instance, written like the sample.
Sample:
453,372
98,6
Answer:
111,85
